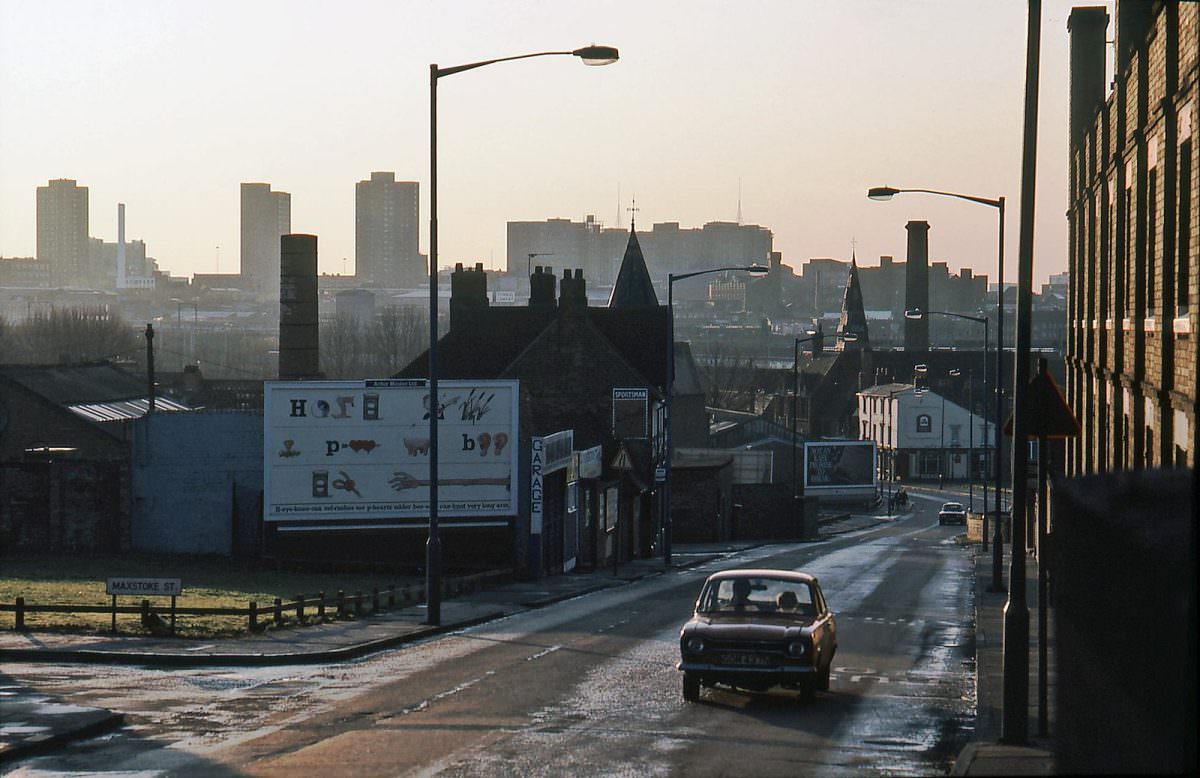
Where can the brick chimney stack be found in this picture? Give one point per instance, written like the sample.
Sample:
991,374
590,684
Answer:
468,293
542,287
916,286
572,290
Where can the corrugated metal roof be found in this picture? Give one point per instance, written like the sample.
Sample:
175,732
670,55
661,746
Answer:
124,410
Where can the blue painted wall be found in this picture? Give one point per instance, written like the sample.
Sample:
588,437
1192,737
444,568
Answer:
197,483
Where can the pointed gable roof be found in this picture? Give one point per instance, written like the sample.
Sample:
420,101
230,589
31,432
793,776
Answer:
633,288
854,317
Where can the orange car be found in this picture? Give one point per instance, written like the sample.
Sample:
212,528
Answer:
757,629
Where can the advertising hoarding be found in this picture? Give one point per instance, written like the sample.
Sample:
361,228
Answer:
360,449
840,468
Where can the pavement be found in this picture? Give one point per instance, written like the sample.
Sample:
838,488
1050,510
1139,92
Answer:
33,723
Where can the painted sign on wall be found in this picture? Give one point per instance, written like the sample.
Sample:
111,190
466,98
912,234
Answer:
356,449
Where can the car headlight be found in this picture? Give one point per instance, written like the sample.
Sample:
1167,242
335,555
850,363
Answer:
796,648
694,645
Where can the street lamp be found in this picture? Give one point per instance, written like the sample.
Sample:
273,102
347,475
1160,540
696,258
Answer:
670,448
893,438
998,537
971,440
887,193
591,55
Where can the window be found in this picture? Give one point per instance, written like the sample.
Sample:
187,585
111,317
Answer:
1151,240
955,429
924,423
1184,220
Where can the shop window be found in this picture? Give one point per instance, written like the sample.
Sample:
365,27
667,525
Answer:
924,423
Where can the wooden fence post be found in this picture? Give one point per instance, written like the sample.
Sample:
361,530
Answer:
341,604
20,614
278,611
321,606
358,604
253,615
300,608
375,600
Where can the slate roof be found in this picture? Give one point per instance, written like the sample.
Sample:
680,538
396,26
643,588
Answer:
486,351
854,318
95,382
98,391
633,288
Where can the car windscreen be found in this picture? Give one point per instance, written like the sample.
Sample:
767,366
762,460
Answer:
757,595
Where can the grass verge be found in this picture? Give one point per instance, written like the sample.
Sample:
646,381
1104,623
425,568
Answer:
208,582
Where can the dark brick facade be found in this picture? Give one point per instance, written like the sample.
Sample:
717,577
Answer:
1134,297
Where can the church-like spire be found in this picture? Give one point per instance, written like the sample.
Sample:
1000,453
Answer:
853,320
633,288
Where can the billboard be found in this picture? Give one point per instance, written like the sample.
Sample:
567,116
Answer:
353,450
840,468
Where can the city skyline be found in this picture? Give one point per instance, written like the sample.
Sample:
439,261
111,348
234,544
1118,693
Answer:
762,111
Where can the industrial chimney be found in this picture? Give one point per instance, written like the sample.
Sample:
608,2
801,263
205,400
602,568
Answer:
916,286
121,245
299,355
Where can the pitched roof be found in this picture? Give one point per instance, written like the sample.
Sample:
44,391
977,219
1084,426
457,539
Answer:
633,287
853,318
95,382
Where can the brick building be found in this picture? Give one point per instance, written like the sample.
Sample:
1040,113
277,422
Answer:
1133,297
573,362
64,455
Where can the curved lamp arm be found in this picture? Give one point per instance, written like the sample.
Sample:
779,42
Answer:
917,313
887,193
591,55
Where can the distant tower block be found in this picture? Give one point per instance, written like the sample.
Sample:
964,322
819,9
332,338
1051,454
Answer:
916,286
121,272
299,355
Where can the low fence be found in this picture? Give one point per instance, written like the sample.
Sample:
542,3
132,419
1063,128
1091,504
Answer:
258,616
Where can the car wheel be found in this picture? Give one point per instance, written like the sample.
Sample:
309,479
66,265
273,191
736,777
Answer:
691,687
823,677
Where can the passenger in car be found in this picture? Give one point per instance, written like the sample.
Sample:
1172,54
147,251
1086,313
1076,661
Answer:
787,602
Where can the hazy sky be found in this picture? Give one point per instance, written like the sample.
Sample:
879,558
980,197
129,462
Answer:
167,106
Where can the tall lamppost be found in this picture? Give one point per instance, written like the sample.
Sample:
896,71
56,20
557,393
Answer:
591,55
970,440
997,551
667,421
893,438
887,193
813,337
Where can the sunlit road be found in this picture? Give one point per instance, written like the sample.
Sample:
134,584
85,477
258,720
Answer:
586,687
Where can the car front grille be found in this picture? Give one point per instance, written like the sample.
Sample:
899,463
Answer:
772,647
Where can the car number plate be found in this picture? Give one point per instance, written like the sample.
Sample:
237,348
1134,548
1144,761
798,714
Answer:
744,659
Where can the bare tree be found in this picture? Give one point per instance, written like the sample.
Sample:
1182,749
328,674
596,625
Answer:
343,347
66,335
396,337
728,376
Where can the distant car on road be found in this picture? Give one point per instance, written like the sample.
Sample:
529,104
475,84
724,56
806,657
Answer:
756,629
952,513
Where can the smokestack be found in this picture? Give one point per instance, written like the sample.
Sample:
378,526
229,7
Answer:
299,357
121,245
916,286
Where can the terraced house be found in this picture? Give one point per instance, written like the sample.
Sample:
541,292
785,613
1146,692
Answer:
1133,298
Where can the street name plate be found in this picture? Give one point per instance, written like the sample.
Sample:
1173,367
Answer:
145,587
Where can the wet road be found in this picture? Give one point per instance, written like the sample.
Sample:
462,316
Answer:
585,687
